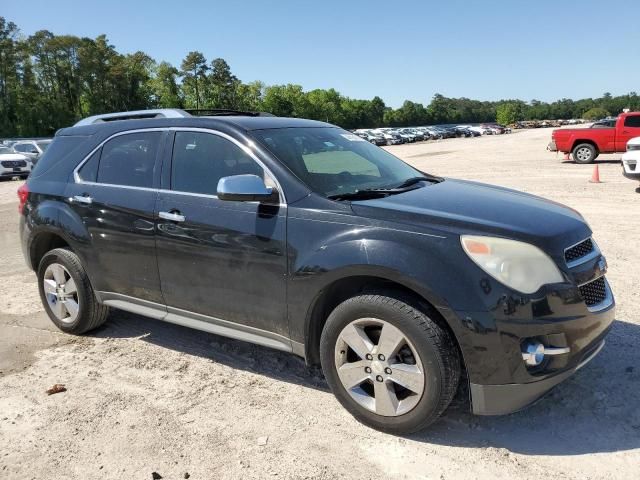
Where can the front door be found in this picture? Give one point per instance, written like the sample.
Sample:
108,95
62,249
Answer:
630,129
220,259
115,195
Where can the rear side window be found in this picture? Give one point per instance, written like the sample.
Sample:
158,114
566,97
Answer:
129,159
200,160
633,122
58,149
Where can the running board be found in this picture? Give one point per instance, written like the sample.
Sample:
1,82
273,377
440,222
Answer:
197,321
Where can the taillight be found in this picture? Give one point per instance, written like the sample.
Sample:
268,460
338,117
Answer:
23,193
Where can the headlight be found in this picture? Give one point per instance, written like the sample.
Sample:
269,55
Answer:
518,265
633,147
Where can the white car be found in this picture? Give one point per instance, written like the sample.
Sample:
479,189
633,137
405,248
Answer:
33,149
14,164
631,160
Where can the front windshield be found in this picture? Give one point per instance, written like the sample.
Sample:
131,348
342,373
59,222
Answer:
43,145
332,161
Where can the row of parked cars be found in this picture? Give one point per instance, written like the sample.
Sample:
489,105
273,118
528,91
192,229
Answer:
17,157
397,136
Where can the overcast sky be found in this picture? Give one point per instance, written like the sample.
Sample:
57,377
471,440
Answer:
486,50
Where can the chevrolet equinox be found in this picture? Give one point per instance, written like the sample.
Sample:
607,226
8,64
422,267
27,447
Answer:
303,237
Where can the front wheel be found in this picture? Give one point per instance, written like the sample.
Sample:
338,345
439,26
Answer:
584,153
388,363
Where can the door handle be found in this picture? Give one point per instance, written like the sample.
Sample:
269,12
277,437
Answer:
173,216
86,199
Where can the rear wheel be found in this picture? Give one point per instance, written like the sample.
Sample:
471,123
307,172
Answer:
66,293
584,153
389,364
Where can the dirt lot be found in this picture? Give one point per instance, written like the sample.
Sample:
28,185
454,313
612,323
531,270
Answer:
146,397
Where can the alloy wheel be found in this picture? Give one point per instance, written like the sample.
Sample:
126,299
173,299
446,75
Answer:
379,367
583,154
61,293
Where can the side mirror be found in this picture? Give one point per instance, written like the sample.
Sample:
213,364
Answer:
33,150
244,188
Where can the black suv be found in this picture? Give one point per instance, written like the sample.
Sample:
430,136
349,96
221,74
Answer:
301,236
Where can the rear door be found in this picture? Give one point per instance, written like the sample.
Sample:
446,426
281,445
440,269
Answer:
114,193
220,259
629,129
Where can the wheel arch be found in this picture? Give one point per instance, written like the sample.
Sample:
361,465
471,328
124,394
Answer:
346,287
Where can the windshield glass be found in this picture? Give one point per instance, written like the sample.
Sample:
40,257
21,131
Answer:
44,145
331,161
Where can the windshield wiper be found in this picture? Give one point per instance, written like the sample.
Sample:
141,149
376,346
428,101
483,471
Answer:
364,194
424,178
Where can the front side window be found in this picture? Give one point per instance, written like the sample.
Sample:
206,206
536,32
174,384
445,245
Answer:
633,122
129,159
200,160
332,161
43,145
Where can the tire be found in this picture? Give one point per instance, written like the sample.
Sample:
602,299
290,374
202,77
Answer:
80,311
436,364
584,153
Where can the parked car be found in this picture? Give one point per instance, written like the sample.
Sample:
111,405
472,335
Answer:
604,123
13,164
631,160
585,144
31,148
298,235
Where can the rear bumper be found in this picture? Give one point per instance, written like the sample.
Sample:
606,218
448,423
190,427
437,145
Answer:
552,146
510,398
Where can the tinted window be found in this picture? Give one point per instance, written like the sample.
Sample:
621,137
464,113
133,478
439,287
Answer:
58,149
200,160
332,161
129,159
89,171
632,121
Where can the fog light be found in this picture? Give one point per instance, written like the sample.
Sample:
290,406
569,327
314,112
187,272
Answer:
533,352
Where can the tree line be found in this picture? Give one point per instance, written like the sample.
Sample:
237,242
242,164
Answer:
50,81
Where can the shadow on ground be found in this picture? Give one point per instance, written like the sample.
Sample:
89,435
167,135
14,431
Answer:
593,412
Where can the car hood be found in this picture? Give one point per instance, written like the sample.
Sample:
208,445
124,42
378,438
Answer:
469,207
13,156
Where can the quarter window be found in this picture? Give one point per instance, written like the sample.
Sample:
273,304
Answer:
89,171
200,160
129,159
633,121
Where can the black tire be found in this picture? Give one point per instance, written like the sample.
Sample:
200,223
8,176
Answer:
584,153
434,345
91,314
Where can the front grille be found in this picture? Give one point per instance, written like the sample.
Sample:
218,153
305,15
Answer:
594,292
13,163
578,251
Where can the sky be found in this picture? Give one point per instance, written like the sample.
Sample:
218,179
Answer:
398,50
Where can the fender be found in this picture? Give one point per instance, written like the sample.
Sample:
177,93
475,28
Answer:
399,259
57,217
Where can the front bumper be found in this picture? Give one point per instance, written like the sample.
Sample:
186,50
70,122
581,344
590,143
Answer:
552,146
631,165
510,398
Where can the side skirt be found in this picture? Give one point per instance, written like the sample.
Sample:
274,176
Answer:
197,321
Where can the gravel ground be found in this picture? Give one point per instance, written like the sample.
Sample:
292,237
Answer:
145,396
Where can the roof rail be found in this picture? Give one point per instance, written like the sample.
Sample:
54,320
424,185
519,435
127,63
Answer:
212,112
134,115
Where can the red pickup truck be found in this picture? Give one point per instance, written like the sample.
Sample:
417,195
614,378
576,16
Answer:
585,144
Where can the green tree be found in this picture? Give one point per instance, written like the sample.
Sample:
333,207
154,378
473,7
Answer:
165,92
595,113
194,69
508,113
